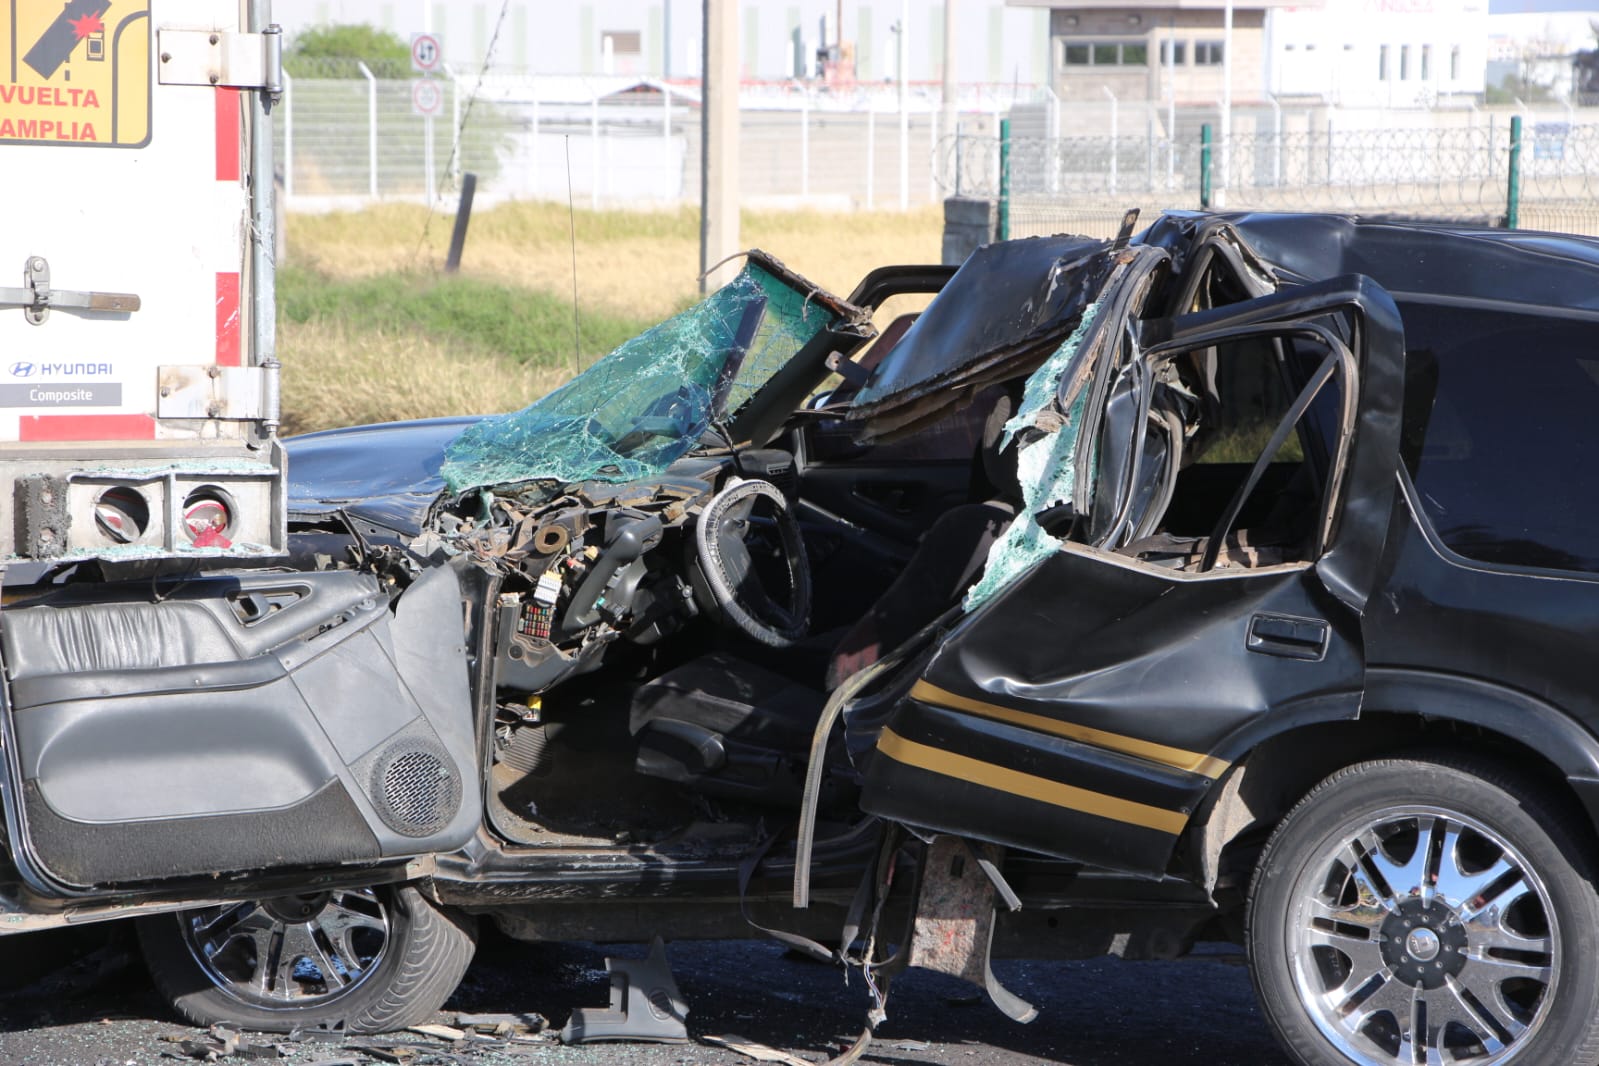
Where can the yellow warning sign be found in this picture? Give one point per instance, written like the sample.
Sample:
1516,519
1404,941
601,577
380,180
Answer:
76,73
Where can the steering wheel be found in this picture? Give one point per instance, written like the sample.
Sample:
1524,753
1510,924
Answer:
729,571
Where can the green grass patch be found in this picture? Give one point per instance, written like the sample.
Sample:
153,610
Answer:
525,326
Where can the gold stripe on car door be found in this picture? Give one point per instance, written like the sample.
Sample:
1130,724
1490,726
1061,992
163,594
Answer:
1192,761
1029,786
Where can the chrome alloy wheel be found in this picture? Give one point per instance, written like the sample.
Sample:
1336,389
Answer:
292,951
1418,936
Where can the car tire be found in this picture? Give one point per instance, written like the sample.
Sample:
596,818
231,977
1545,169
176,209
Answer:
369,960
1345,939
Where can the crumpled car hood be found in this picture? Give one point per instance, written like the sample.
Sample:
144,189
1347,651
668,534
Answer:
386,473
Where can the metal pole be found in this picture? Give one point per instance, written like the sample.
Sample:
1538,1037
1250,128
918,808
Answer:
1513,195
1204,167
463,216
666,40
1276,140
594,153
805,145
1226,99
263,223
904,117
288,137
371,130
533,161
667,172
455,125
427,159
871,157
1115,133
1149,148
946,111
1171,104
1004,179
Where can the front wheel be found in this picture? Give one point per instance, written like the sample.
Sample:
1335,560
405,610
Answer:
373,960
1428,911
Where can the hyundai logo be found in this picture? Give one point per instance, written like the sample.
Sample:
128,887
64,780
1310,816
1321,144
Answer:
22,370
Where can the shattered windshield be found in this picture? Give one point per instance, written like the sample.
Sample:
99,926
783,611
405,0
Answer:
643,406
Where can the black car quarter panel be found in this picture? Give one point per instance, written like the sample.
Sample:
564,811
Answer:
236,722
1114,693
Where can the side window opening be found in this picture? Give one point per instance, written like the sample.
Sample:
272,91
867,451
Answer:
1497,432
1212,413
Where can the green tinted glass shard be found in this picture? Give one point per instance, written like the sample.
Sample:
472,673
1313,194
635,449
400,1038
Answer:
1045,467
643,406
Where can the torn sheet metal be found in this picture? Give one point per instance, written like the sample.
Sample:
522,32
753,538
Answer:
1007,308
636,411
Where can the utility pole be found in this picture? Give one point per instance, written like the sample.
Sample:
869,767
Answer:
666,42
948,121
719,144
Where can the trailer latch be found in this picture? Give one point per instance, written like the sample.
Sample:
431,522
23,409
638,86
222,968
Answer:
37,297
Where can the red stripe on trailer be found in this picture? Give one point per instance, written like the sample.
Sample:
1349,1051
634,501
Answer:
86,427
228,319
227,134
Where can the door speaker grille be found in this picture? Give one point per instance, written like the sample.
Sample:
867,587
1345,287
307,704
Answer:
416,788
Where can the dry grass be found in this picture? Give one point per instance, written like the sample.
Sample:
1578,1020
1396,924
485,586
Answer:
336,375
346,363
633,263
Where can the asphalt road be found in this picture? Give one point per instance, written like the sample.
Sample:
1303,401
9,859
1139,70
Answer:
84,1001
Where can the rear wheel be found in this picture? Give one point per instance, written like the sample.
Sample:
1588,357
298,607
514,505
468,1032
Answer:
373,960
1428,911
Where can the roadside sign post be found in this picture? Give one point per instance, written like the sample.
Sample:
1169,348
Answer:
427,98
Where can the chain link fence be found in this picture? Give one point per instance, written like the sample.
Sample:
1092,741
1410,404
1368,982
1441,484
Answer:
348,140
349,135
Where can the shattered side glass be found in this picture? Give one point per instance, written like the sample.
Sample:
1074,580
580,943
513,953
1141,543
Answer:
643,406
1046,467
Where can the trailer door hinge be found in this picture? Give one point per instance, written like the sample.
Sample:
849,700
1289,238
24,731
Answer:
36,297
222,57
230,393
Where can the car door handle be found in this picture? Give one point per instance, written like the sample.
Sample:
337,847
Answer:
1289,636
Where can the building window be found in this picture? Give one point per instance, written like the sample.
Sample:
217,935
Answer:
1382,62
1404,62
624,42
1454,63
1173,53
1207,53
1108,54
1426,62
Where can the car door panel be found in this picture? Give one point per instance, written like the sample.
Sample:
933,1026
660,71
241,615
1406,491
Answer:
1072,676
236,722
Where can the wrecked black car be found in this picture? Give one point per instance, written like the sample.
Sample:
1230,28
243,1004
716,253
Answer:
1227,583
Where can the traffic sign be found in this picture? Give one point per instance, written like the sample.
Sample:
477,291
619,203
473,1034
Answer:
427,97
427,52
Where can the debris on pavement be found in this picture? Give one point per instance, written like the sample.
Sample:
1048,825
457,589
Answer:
645,1004
758,1052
